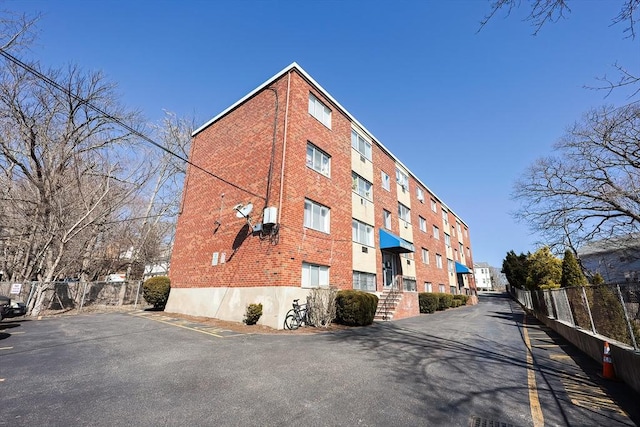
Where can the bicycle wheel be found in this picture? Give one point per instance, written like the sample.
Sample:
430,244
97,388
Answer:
291,322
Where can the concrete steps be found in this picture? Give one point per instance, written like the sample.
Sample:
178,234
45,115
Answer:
387,304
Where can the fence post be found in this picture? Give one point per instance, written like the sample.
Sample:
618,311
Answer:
135,304
566,298
586,303
626,316
84,292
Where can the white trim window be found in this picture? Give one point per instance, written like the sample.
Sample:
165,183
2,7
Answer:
316,216
402,179
409,284
450,266
445,217
425,255
362,233
436,232
318,160
428,287
386,219
441,288
364,281
420,194
404,213
315,276
361,186
386,182
434,206
320,111
361,145
447,240
423,224
438,260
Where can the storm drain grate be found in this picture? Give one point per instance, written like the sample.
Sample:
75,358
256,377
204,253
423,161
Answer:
483,422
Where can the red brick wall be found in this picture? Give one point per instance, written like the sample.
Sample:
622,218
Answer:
238,148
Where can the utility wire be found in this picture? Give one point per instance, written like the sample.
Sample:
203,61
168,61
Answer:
140,135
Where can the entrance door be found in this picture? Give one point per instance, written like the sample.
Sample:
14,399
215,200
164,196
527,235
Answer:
388,269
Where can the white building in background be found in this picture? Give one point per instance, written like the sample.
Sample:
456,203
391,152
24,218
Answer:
482,273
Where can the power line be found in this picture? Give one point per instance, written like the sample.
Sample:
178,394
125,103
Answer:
140,135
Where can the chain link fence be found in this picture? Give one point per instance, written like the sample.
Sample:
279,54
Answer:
612,311
67,296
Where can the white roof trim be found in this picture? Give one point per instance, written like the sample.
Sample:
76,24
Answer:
295,65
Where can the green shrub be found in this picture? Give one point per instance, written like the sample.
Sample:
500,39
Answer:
155,291
355,308
462,298
445,301
456,303
252,315
428,302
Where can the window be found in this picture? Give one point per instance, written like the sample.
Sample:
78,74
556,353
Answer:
409,284
404,213
434,206
361,186
402,179
320,111
315,276
420,194
316,216
318,160
447,240
438,260
441,288
450,266
452,290
362,233
386,182
360,144
445,217
428,287
425,256
364,281
386,219
458,227
436,232
423,224
461,248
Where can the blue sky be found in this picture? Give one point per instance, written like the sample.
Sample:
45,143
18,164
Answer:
466,111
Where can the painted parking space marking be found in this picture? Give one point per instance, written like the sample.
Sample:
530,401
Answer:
189,325
6,348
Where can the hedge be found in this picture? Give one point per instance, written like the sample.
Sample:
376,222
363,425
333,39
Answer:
428,302
355,308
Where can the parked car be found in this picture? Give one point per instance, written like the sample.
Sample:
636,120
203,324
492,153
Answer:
9,309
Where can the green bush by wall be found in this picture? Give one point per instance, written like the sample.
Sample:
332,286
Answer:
155,291
355,308
428,302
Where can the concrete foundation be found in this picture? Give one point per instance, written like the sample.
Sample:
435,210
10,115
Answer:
228,303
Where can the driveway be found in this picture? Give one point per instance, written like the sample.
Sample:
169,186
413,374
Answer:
450,368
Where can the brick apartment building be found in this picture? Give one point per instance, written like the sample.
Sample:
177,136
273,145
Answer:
291,192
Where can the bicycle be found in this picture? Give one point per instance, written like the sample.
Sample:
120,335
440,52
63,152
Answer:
296,316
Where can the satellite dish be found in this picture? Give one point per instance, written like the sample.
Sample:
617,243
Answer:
243,211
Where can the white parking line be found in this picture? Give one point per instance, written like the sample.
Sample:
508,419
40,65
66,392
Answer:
6,348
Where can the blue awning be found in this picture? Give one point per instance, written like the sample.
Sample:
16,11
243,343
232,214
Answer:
392,243
462,269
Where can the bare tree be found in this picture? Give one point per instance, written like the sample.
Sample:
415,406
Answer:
590,189
543,12
65,167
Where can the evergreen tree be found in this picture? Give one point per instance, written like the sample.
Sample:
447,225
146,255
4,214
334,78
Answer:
545,270
515,268
571,272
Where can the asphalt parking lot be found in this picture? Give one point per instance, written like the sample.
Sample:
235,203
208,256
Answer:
151,369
